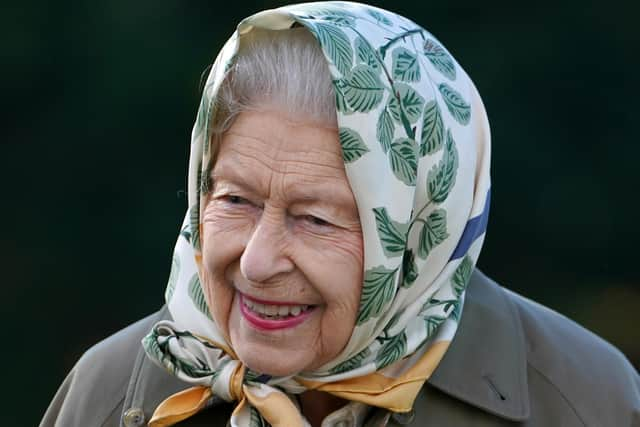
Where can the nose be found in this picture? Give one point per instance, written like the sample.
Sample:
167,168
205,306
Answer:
264,256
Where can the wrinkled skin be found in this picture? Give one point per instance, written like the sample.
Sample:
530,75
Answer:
281,224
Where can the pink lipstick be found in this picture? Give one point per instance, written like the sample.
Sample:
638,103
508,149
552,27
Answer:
267,315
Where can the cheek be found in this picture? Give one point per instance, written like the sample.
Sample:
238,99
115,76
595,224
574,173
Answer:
336,268
222,246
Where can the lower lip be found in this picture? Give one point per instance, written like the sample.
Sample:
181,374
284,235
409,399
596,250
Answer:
271,324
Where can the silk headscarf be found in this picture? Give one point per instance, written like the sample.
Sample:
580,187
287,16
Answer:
416,149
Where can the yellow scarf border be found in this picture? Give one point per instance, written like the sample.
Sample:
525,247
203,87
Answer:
375,389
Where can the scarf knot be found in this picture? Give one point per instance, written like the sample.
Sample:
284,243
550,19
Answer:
197,361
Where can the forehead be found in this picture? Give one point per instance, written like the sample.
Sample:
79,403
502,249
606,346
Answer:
261,145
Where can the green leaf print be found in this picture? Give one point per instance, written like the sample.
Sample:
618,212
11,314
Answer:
378,290
341,21
412,103
391,351
336,45
385,129
457,106
341,103
365,54
404,161
173,278
432,323
150,344
432,129
353,146
392,234
379,17
405,65
194,223
457,311
363,89
409,269
461,276
440,59
434,232
197,296
442,176
392,323
205,179
319,11
251,376
351,363
255,419
186,232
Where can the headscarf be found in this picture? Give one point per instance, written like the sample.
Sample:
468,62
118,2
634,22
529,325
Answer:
416,148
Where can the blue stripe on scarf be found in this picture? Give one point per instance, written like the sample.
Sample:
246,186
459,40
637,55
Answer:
475,228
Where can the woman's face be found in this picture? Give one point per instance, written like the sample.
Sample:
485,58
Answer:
282,244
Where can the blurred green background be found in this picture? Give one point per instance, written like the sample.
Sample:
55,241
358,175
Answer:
99,99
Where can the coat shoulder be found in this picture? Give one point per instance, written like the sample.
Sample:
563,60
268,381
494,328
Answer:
96,386
593,377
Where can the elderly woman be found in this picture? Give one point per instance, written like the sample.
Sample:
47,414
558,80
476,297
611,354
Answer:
324,275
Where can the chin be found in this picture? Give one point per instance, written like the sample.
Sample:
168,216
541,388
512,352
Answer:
273,365
276,353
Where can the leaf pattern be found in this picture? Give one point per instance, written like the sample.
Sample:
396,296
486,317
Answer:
405,65
432,129
353,146
351,363
186,232
194,225
379,17
363,89
392,234
457,106
462,275
341,102
433,323
365,54
433,232
411,103
378,290
403,160
336,45
385,129
440,59
442,177
457,311
255,419
313,11
197,296
409,269
341,21
391,350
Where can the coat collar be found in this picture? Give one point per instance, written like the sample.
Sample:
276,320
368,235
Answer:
486,366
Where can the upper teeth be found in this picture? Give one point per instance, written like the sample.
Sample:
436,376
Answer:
274,310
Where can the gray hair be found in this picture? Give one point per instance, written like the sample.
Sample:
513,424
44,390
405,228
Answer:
283,70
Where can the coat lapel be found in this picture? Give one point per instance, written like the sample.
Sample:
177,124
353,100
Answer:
486,366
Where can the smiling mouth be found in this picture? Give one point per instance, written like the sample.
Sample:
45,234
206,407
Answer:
273,316
275,312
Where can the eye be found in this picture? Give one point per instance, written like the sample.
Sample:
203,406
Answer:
316,221
235,200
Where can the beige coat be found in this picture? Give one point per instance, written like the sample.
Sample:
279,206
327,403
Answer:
512,363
